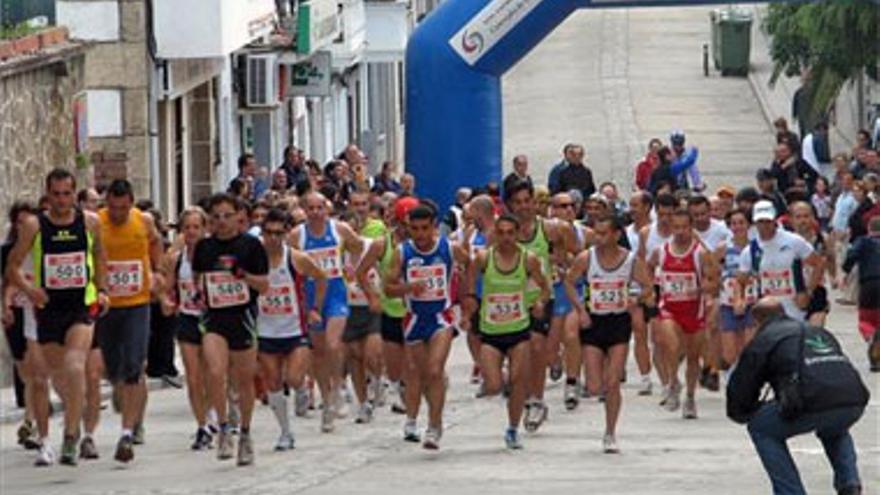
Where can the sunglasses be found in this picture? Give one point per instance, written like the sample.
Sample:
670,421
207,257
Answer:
277,233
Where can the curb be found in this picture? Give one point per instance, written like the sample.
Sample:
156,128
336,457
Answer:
15,414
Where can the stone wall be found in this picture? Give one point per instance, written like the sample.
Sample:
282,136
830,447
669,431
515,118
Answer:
37,120
36,131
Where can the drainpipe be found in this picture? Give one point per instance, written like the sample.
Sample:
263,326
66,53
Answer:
152,114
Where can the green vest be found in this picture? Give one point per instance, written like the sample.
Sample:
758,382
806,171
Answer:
391,306
503,309
540,247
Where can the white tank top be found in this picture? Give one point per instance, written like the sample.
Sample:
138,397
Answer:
280,310
187,293
609,289
655,240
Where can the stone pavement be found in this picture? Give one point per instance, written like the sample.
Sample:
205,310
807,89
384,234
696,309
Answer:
614,79
662,453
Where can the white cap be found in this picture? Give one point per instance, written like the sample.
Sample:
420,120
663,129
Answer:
763,210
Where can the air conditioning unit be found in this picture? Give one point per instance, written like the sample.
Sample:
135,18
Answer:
261,81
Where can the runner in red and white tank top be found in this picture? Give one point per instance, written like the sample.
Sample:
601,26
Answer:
685,270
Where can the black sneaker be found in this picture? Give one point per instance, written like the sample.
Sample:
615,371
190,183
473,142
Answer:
124,449
713,381
68,451
203,440
87,449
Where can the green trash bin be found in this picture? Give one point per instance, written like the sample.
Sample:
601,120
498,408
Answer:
731,40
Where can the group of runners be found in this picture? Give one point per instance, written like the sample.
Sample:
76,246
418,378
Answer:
300,291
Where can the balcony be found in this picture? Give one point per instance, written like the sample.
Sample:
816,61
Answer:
349,48
209,28
388,28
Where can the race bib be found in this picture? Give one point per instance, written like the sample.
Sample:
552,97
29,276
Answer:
608,295
729,288
356,295
224,290
125,278
327,259
65,271
189,296
680,287
777,283
279,300
433,282
504,308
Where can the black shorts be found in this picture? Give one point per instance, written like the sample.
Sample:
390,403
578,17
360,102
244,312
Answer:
188,329
240,332
607,331
124,335
392,329
284,345
361,322
506,342
869,294
15,335
53,325
541,324
818,301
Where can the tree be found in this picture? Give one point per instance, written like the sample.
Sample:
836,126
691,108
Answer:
831,42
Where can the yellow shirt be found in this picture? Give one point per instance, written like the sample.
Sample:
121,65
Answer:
128,259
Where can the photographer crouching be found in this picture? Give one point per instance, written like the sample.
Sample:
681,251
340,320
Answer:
815,389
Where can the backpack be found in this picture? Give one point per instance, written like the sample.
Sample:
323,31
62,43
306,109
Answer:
824,379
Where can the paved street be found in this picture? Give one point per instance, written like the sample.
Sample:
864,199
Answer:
611,80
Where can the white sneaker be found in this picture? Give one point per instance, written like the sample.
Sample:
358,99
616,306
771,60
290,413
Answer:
664,395
364,414
327,417
609,444
689,411
646,386
301,403
45,456
411,432
536,414
432,438
674,400
285,442
340,403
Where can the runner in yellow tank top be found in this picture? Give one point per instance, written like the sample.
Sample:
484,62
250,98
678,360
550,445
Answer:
133,248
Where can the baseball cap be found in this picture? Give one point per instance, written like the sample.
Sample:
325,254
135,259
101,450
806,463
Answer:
763,210
676,137
403,206
725,190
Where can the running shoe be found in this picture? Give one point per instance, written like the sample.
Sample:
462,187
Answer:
202,440
570,396
709,379
124,449
664,395
174,381
245,450
364,414
137,436
285,442
536,414
556,372
301,403
377,389
25,431
645,387
87,449
432,438
689,411
609,444
512,440
411,432
874,353
673,402
340,402
68,451
224,445
327,417
45,456
585,392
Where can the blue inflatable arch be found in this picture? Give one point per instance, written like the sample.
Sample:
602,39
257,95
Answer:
454,63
